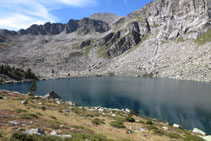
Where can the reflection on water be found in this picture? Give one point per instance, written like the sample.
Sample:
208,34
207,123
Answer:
183,102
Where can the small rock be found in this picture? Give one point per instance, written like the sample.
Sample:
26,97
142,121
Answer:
176,126
53,133
4,97
36,131
14,122
142,129
24,102
65,136
62,126
127,110
165,128
113,115
40,103
70,103
19,129
198,131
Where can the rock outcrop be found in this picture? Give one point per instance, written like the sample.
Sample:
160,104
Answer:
165,38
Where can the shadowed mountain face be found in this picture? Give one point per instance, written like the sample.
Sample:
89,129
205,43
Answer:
166,38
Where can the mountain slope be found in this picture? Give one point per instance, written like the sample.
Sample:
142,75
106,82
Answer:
166,38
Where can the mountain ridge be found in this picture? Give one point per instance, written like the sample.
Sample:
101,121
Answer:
161,39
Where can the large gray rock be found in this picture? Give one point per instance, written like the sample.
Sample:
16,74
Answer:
35,131
52,95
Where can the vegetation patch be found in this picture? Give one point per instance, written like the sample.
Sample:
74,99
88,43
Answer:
206,37
174,136
98,121
158,132
29,116
19,110
1,97
88,48
138,45
75,54
117,124
129,119
180,39
155,25
54,124
42,108
148,75
17,73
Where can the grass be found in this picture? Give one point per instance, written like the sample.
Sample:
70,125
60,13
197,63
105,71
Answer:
88,48
189,137
148,75
180,39
174,136
138,45
158,132
19,110
75,54
75,46
206,37
29,116
117,124
98,121
54,124
52,117
101,52
155,25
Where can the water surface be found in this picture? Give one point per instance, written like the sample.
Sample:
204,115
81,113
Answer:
186,103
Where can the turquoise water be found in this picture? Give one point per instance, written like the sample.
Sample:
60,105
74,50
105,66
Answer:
186,103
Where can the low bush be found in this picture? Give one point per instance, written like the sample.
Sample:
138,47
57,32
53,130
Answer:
97,121
130,119
174,135
117,124
43,108
149,122
29,116
54,124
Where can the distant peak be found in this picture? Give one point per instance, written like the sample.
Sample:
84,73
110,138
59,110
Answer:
106,17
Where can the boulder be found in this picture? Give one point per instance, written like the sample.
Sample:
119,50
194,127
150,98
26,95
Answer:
52,95
198,131
35,131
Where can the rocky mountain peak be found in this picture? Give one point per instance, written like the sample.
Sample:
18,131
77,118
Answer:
106,17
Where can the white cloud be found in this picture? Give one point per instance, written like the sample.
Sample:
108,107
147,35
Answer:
16,14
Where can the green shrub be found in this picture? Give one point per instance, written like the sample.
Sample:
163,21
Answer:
28,116
148,75
174,136
1,97
97,121
43,108
53,117
149,122
129,119
150,127
19,110
117,124
158,132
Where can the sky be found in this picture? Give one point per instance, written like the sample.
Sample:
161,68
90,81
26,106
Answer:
21,14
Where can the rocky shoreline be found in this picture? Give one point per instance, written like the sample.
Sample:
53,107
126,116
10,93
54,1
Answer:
112,112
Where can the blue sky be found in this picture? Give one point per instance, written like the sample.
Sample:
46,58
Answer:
17,14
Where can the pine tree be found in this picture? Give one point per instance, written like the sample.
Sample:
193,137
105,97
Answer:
33,89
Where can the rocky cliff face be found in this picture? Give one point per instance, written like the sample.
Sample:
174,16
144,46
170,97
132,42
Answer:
166,38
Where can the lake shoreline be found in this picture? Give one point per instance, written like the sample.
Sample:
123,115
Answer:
6,95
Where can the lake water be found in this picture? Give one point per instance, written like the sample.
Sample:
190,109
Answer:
186,103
